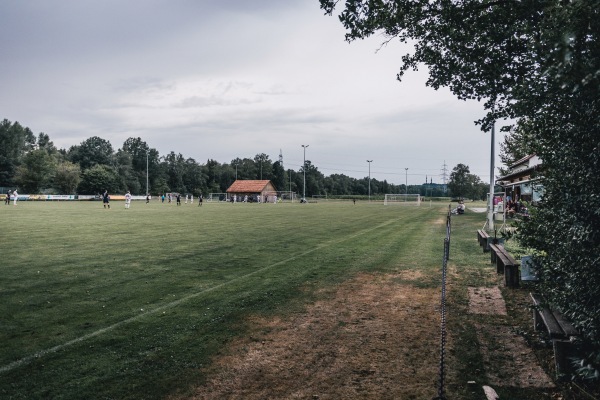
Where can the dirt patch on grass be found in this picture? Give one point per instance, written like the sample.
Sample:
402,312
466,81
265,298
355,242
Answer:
508,360
372,338
483,300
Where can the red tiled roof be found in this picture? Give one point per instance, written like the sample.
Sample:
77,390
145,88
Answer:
247,186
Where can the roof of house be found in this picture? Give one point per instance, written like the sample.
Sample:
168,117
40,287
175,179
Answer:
248,186
522,173
527,169
522,160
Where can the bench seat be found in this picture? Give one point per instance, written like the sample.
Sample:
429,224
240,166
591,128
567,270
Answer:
482,237
559,329
505,264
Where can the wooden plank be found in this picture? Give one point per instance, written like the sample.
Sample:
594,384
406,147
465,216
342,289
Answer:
552,326
536,298
493,251
537,320
482,237
565,325
509,258
501,262
511,276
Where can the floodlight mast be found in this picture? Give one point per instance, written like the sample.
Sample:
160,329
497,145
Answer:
369,161
304,171
490,218
146,173
406,182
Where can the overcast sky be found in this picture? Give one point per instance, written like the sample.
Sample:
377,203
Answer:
222,79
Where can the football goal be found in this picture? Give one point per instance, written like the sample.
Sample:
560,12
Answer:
402,199
281,196
217,197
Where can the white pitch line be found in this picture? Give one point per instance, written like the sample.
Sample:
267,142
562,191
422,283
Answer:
42,353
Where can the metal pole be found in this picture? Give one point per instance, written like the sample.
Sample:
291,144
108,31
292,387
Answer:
146,173
304,170
369,161
491,196
406,183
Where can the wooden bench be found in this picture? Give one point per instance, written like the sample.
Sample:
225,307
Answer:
560,331
505,264
482,238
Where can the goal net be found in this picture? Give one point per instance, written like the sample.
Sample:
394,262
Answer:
217,197
402,199
282,196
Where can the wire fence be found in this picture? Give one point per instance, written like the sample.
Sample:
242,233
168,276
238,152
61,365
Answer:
441,395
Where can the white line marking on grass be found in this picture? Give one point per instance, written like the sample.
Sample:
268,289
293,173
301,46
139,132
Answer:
42,353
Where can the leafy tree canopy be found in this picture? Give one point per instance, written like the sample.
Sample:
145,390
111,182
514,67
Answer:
91,152
463,184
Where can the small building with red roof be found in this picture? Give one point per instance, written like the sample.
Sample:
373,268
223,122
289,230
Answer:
252,188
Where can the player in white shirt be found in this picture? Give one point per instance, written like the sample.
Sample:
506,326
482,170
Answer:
127,199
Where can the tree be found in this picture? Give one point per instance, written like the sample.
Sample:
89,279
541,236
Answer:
137,149
97,179
91,152
193,177
264,166
128,179
278,178
314,179
67,177
478,50
463,184
44,143
36,171
145,165
537,62
175,169
516,145
15,141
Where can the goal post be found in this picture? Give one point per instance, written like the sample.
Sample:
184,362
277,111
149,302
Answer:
402,199
282,196
216,197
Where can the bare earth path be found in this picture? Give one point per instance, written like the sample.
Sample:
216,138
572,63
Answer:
373,337
514,362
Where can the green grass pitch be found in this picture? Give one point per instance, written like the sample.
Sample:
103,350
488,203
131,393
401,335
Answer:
98,303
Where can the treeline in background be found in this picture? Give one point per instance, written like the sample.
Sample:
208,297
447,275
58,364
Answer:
33,164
